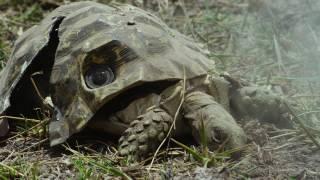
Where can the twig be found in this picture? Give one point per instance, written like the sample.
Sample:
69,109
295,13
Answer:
313,129
282,146
162,153
308,112
306,96
36,144
282,131
282,135
278,54
33,127
299,121
241,161
20,119
314,35
297,137
35,85
9,156
173,123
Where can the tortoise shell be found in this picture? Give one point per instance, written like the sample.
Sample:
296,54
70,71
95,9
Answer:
121,46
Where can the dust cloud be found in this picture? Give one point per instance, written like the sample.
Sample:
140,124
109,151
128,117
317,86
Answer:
282,37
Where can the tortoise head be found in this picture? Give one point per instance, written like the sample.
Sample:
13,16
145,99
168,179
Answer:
105,52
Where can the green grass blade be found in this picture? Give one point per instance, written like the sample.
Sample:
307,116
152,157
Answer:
194,153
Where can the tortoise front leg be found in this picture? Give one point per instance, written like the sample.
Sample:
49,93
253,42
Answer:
145,133
204,114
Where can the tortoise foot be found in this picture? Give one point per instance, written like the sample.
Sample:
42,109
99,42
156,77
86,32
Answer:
145,134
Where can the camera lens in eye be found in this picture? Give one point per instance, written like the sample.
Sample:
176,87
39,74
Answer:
99,75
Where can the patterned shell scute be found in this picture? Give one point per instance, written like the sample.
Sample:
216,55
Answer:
26,49
95,25
24,52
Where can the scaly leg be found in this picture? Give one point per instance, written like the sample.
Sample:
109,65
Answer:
205,115
145,133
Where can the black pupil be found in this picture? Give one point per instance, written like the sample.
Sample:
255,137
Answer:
99,77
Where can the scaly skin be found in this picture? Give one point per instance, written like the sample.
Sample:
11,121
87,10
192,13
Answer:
205,114
145,133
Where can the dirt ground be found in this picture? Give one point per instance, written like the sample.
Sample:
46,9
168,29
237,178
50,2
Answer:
271,43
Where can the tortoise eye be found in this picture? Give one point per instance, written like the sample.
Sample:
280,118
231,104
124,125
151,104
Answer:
99,75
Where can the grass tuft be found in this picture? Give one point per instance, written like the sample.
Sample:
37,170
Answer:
87,165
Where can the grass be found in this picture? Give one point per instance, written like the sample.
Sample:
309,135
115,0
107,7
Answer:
15,16
19,169
94,167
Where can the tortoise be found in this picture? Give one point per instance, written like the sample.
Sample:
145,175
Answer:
121,70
